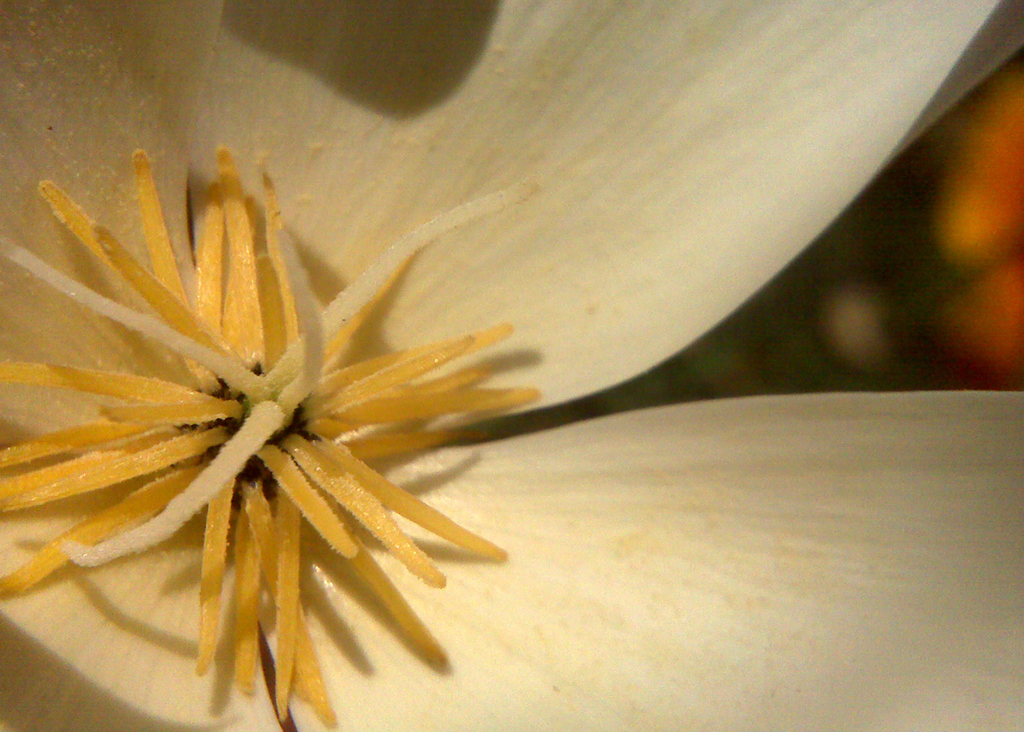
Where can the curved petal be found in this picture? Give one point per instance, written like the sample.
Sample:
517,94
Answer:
85,85
842,562
683,155
113,649
998,39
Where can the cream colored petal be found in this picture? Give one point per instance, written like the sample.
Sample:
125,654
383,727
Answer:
999,38
84,86
684,153
835,562
113,648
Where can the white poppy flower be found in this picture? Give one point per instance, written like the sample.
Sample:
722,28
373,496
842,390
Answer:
844,562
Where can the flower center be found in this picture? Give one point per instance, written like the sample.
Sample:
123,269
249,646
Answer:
275,428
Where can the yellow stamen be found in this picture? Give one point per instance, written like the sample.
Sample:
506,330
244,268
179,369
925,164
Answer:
287,598
354,383
74,438
364,507
242,318
278,541
101,469
138,505
424,406
275,331
72,468
72,217
331,428
165,291
404,615
457,380
316,510
386,445
308,682
171,309
107,383
215,545
210,262
171,414
161,253
405,504
273,217
400,372
247,597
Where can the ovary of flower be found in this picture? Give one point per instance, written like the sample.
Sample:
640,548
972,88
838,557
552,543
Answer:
275,428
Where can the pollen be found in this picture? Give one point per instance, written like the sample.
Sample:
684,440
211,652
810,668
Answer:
274,428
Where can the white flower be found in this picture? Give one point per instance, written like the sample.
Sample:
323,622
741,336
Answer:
832,562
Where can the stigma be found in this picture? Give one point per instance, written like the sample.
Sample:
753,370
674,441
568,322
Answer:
274,427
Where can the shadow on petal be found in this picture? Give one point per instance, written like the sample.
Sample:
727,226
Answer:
40,692
170,642
394,56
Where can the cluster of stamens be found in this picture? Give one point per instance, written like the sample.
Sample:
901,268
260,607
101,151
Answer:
275,426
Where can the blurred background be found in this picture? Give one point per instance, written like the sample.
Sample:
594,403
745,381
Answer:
919,285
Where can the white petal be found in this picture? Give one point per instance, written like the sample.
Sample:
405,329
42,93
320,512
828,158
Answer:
840,563
114,648
85,85
997,40
683,153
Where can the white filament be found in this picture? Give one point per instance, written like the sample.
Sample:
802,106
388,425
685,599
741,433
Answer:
264,420
230,369
350,300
